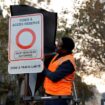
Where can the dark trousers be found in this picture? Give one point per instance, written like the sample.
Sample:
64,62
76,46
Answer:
56,102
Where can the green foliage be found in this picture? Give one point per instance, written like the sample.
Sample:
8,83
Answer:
3,45
7,82
22,2
89,32
63,29
84,91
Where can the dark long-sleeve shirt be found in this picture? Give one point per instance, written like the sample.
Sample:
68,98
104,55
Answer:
63,70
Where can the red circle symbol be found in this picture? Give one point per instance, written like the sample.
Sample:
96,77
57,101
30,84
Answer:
20,33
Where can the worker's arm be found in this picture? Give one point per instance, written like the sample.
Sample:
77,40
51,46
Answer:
63,70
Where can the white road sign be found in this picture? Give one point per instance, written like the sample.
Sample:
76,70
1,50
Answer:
25,52
26,37
20,67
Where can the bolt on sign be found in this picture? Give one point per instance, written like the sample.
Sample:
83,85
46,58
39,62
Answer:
25,52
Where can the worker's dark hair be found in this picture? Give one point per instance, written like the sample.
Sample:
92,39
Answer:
68,44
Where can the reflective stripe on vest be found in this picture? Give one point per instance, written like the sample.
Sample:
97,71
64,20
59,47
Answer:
64,86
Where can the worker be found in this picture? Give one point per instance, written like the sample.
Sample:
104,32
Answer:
60,73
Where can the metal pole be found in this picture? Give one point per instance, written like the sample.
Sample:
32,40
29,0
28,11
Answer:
38,98
76,99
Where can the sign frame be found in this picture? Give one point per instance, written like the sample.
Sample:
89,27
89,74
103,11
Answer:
25,66
23,30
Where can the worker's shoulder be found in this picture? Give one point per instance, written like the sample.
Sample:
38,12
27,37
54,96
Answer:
67,63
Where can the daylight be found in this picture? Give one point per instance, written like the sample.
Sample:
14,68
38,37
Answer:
23,44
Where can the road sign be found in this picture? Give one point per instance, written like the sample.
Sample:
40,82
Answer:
50,23
26,37
25,66
25,44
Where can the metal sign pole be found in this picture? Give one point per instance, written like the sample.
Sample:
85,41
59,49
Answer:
77,101
32,82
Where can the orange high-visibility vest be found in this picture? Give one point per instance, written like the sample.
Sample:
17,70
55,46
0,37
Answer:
63,86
